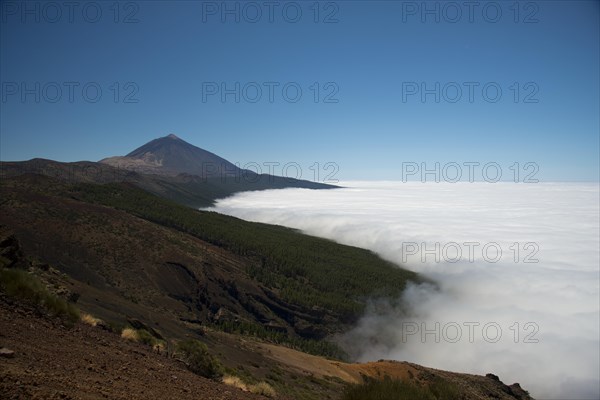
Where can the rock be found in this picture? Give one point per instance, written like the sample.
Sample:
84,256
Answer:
6,353
11,252
519,392
492,376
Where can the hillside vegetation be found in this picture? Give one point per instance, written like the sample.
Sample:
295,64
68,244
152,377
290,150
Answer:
388,389
127,251
184,188
305,270
218,293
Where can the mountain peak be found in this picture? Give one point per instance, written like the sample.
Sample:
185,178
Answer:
170,155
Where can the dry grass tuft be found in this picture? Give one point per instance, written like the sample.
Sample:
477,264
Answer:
264,389
130,334
235,382
90,319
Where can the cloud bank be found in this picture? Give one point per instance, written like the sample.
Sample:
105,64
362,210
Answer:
517,267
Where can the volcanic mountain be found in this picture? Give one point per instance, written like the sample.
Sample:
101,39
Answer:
168,167
172,156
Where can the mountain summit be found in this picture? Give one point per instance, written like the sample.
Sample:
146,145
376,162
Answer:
171,156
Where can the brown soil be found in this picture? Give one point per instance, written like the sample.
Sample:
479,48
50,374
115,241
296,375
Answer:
83,362
52,361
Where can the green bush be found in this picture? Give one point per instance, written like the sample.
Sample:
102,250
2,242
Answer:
389,389
263,388
20,284
146,338
198,359
115,327
444,390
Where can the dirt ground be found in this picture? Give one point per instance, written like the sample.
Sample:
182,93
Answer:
52,361
83,362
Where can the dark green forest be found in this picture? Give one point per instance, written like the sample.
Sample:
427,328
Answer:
307,271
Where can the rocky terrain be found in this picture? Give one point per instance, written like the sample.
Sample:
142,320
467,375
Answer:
51,361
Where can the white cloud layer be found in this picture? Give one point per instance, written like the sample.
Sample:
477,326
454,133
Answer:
554,301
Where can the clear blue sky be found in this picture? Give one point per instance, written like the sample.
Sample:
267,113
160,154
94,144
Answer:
375,56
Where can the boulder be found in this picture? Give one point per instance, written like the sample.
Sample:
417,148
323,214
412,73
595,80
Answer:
6,353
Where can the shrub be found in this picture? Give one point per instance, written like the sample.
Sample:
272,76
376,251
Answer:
129,334
235,382
90,319
263,388
389,389
198,359
143,336
444,390
60,307
20,284
114,326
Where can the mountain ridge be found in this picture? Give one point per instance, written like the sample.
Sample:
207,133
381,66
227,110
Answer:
168,167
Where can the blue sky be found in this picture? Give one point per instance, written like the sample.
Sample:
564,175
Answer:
375,58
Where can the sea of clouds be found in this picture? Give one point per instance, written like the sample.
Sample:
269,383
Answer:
530,313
